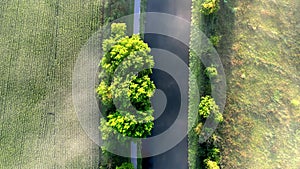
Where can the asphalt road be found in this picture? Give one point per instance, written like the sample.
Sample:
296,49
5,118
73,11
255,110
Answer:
177,157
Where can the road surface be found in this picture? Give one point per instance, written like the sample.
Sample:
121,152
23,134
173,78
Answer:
177,157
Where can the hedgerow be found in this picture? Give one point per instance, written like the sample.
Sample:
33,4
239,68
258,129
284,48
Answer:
125,88
204,155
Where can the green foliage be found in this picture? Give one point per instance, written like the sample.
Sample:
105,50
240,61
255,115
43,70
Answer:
199,128
208,106
214,154
105,129
126,166
110,138
104,91
218,117
295,103
133,96
116,50
209,109
114,9
210,6
206,21
215,40
129,126
211,164
110,160
125,86
211,72
140,90
118,30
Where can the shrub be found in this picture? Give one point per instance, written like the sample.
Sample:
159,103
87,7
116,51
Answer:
211,72
215,40
210,6
211,164
214,154
208,106
218,117
295,103
199,128
126,166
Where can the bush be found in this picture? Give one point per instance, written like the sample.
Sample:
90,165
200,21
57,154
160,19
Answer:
215,40
295,103
126,166
198,128
210,6
214,154
211,72
208,106
211,164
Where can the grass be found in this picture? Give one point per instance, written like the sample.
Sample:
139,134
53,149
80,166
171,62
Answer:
260,51
39,43
198,86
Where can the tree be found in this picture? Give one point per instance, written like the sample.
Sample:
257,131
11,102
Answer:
125,84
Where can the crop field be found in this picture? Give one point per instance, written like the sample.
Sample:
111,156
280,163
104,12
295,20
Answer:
260,50
39,43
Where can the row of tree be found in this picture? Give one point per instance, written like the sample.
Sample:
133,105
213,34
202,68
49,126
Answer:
125,88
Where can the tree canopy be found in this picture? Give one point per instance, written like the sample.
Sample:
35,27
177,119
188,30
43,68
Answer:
125,86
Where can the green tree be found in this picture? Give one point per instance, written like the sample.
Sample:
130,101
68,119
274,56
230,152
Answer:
125,83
